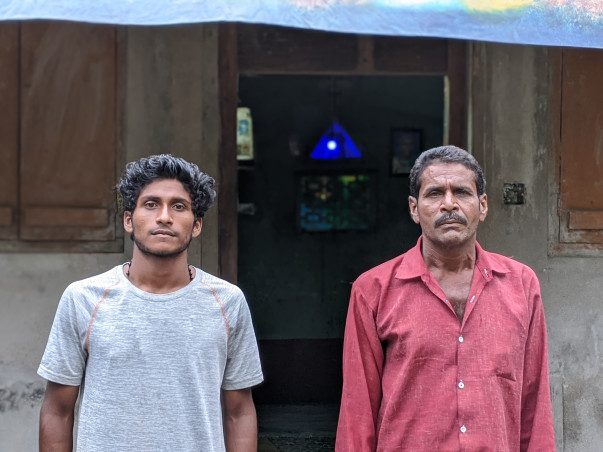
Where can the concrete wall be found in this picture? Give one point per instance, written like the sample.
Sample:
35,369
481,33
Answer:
511,136
171,107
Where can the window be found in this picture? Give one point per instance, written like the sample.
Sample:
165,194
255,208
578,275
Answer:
580,152
59,136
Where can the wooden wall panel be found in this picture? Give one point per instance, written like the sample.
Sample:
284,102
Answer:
68,123
9,128
278,50
581,144
270,49
410,55
457,101
227,207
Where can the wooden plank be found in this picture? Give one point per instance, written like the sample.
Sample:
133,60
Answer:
270,50
68,116
395,55
211,137
6,216
366,55
67,233
581,147
227,207
553,142
278,50
457,79
9,125
582,129
585,220
41,216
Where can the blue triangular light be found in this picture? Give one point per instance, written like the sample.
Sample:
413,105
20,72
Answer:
335,144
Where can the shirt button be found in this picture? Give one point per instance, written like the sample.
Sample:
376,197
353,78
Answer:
461,385
461,339
463,429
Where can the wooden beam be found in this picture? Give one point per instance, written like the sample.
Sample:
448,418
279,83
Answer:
266,49
227,206
457,79
591,220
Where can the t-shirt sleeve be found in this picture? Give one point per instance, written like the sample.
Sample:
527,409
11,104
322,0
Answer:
64,359
243,367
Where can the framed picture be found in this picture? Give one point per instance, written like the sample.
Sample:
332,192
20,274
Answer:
336,201
406,147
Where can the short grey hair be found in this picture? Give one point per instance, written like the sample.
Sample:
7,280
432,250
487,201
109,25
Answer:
445,154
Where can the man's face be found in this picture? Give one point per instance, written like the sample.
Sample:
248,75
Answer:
448,207
163,223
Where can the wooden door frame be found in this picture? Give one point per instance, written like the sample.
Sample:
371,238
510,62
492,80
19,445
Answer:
261,49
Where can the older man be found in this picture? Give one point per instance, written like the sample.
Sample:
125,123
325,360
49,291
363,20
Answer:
445,346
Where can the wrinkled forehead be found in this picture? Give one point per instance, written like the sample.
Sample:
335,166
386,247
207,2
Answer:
447,173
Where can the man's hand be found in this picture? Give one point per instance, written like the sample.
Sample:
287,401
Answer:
56,418
240,421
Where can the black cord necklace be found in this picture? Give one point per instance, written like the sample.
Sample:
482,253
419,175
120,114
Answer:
129,264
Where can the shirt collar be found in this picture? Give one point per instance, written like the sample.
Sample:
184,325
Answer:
413,265
487,262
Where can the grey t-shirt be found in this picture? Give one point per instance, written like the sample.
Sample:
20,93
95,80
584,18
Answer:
151,366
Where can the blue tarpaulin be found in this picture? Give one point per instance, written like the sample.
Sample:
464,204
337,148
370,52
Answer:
577,23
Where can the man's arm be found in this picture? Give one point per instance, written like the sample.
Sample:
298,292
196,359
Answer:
537,432
362,371
240,421
56,418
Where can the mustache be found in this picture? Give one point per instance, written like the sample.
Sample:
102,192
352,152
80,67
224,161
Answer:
451,216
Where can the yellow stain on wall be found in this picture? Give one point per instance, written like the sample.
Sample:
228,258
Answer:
497,5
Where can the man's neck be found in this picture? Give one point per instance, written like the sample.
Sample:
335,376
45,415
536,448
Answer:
449,260
158,274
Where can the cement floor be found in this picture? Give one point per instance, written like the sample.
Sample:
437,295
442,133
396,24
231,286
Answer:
297,428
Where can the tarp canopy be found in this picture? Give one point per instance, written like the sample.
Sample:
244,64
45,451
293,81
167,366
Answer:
577,23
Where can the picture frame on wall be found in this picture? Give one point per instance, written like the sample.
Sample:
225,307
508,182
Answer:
406,147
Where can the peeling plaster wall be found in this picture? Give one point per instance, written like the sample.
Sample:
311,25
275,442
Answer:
511,136
171,86
31,287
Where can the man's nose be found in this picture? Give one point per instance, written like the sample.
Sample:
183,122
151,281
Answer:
449,201
164,215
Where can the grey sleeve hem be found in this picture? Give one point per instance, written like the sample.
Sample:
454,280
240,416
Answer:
61,379
243,384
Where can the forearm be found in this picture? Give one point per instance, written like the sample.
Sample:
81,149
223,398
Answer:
241,432
56,418
56,432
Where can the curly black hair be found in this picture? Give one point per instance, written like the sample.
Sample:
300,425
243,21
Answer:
445,154
140,173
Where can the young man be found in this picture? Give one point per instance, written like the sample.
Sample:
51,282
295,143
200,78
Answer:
161,354
445,346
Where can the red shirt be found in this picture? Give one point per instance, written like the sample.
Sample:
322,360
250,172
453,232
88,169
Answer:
415,379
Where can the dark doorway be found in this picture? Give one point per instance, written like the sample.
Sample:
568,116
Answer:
298,282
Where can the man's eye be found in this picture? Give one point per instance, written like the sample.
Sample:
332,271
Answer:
150,204
179,207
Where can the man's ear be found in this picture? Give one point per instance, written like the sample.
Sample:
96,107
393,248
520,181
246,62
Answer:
197,226
414,209
483,204
128,221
